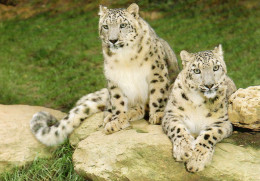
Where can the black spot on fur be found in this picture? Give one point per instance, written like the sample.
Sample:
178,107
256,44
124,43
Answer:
218,122
45,130
152,91
154,104
117,96
153,67
117,112
162,91
206,136
140,49
36,127
210,142
82,119
162,67
167,86
209,115
94,99
122,103
101,107
112,87
154,81
184,96
214,138
178,130
181,108
220,131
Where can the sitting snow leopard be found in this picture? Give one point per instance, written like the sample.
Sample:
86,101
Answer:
138,66
196,115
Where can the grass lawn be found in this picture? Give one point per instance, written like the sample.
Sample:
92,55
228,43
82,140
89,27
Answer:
52,59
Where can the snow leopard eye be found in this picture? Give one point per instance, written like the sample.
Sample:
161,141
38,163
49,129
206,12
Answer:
105,27
197,71
123,25
215,68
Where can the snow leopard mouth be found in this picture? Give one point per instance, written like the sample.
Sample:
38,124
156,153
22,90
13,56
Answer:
209,94
115,46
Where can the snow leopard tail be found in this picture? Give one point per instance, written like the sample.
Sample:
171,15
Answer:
49,131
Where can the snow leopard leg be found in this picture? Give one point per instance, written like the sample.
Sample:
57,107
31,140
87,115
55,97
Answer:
179,135
205,144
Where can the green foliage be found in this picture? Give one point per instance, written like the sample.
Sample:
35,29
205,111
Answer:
58,168
53,59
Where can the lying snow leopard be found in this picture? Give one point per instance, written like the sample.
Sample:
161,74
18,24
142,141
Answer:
196,114
137,65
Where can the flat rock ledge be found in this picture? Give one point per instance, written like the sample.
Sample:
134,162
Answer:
244,108
18,146
144,153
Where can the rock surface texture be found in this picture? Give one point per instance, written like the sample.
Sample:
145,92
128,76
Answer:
244,108
17,144
144,153
92,124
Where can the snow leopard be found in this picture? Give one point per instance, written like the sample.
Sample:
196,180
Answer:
139,68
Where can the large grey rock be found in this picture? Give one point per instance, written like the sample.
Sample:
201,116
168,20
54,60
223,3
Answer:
244,108
17,144
145,153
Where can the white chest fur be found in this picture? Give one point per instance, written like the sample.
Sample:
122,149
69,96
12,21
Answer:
131,79
128,70
196,114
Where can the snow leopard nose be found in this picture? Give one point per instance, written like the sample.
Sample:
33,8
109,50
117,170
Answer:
209,86
113,41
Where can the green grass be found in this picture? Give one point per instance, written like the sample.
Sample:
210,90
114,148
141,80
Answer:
53,59
59,168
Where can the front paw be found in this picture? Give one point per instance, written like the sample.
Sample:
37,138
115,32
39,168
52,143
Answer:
156,118
201,156
116,123
182,148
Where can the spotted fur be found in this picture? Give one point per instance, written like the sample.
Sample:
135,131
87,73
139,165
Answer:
138,66
196,114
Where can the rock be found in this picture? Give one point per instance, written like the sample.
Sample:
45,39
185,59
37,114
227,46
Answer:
90,125
244,108
145,153
17,144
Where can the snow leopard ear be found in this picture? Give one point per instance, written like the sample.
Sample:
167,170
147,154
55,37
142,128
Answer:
218,51
102,10
133,9
185,57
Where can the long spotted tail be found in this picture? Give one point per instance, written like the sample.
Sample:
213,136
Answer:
49,131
